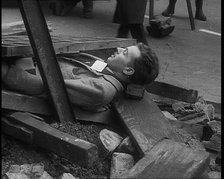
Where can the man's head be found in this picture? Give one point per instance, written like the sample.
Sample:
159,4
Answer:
135,64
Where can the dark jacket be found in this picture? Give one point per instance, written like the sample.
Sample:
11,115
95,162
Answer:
130,11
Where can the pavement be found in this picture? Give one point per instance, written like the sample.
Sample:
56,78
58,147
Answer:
190,59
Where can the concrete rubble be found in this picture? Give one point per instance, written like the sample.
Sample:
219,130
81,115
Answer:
31,171
120,164
110,139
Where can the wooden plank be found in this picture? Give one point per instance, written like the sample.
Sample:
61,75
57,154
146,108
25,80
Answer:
19,102
173,92
62,44
74,149
17,28
44,53
19,132
144,122
169,159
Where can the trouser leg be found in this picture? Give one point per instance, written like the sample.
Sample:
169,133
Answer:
62,7
199,14
138,33
123,31
87,8
170,8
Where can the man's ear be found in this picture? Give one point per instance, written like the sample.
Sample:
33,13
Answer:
128,71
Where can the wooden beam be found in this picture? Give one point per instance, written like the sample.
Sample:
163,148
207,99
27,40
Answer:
169,159
144,122
20,102
74,149
44,53
19,45
173,92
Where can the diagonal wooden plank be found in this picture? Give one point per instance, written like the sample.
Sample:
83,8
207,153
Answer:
20,102
44,53
74,149
169,159
144,122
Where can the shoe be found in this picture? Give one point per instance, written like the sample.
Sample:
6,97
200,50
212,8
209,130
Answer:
87,11
168,12
200,16
87,15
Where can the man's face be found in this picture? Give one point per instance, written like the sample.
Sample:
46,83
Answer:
123,57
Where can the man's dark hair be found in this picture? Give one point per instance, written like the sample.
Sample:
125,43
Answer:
146,66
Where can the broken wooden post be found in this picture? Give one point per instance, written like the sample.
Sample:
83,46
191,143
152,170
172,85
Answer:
43,49
169,159
145,122
43,135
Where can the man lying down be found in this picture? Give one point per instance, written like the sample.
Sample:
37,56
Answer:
92,84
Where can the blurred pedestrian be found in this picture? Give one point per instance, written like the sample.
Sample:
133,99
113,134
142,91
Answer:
199,14
63,7
130,15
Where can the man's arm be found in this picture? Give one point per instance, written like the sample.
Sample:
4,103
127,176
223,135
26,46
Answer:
90,92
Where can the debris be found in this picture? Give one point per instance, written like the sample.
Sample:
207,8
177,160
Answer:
126,146
67,176
120,164
169,159
110,139
28,171
3,141
218,159
194,113
38,169
182,107
18,28
215,126
208,109
45,176
17,176
14,169
190,140
214,174
196,130
168,115
214,143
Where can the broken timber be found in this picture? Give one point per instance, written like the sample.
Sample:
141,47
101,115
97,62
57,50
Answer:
169,159
19,45
42,106
145,122
39,133
173,92
150,131
44,53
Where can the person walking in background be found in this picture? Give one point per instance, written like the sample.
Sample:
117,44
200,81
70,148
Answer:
130,15
199,14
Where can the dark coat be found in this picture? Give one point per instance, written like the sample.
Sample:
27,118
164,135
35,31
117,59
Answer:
130,11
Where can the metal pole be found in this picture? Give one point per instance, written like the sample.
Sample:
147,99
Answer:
43,50
151,9
190,14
